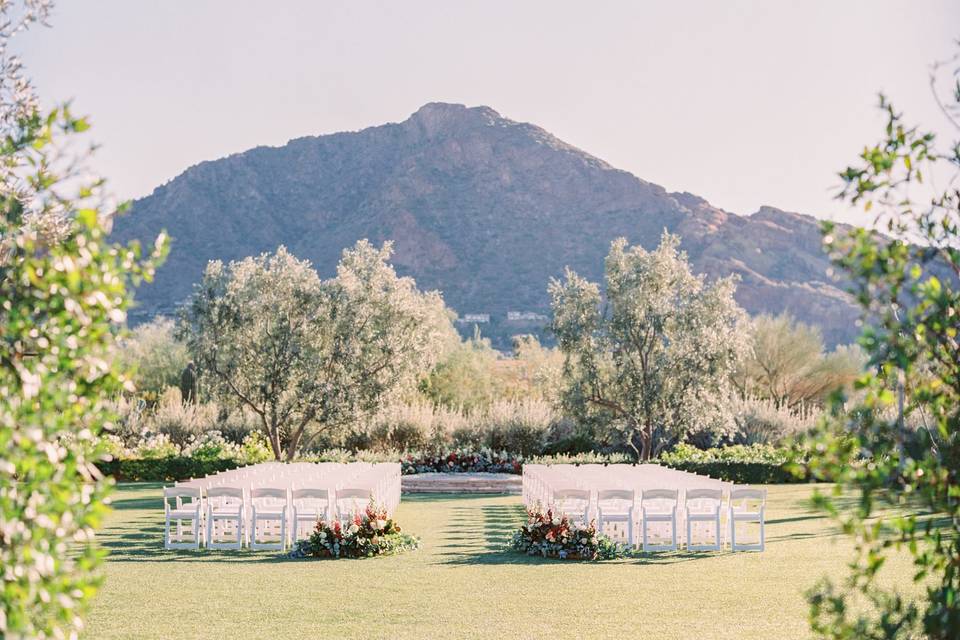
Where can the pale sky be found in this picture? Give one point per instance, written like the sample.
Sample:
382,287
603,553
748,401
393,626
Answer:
743,103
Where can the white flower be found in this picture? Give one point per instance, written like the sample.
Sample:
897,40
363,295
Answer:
354,528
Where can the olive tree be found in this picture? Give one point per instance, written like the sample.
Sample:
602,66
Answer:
306,354
655,357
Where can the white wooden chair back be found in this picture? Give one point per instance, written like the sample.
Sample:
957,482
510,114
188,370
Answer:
352,500
615,500
748,500
268,496
703,500
178,494
223,497
659,500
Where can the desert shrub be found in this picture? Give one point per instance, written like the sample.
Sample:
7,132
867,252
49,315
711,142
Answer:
156,356
521,426
237,424
786,363
762,421
181,423
130,419
418,425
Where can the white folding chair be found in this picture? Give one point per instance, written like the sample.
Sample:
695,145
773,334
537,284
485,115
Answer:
268,507
746,506
225,514
702,507
616,505
309,505
573,503
179,513
659,505
352,500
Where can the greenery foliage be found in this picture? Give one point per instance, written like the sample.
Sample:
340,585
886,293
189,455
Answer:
911,297
299,352
656,359
755,464
64,296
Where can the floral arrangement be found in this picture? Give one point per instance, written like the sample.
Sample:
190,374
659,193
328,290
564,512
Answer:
462,460
553,535
367,534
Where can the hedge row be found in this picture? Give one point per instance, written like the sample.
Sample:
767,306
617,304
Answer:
163,469
740,472
180,468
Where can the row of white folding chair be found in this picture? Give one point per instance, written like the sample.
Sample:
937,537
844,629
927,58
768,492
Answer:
229,523
701,506
229,505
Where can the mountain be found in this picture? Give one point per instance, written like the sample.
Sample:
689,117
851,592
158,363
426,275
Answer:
483,208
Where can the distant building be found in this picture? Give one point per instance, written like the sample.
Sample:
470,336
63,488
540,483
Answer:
525,316
475,318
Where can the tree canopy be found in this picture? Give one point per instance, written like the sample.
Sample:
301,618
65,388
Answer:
306,354
656,355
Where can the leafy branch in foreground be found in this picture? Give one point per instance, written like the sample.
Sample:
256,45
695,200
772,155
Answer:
64,300
908,284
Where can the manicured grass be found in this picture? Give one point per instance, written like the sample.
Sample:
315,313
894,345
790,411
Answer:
462,583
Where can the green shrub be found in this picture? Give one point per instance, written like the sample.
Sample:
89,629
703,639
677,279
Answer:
168,469
255,448
754,464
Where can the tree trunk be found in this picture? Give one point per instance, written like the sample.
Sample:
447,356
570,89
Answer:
273,435
646,442
292,446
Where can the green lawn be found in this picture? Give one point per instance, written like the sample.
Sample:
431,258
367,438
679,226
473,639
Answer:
461,583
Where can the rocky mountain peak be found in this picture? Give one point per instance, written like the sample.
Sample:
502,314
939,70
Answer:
481,207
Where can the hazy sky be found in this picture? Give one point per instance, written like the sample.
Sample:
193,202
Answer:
743,103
